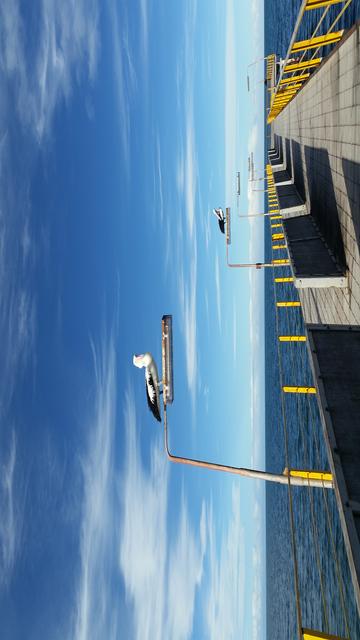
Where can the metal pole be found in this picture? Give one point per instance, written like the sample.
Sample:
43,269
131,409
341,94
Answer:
256,215
241,471
250,265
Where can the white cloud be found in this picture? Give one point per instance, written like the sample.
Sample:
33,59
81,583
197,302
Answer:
10,521
187,183
257,40
231,102
218,292
160,209
161,572
225,598
124,76
187,288
235,339
95,604
66,47
256,251
144,27
258,559
18,311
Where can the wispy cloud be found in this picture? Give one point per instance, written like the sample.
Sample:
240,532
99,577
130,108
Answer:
161,572
187,184
124,75
258,560
218,292
17,258
66,47
235,338
255,306
10,522
95,604
231,101
225,598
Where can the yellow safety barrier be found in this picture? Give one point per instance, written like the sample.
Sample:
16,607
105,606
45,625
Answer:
288,279
326,476
292,338
283,261
278,236
289,85
318,41
300,78
299,389
308,634
289,304
299,66
279,246
318,4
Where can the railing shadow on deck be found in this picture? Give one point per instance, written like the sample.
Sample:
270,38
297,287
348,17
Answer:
322,199
298,171
351,171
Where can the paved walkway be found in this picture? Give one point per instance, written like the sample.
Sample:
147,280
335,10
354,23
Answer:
320,132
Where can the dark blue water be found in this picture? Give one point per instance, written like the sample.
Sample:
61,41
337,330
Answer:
326,593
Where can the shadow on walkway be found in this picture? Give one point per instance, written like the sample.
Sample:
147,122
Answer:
351,172
323,205
298,171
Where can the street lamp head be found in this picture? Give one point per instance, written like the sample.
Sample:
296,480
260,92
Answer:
142,360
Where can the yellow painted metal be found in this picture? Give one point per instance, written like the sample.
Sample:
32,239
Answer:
318,41
288,279
311,475
279,246
283,261
288,304
291,87
300,78
310,634
278,236
275,217
298,66
299,389
277,225
317,4
292,338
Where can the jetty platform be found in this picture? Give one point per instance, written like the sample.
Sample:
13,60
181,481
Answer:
317,138
319,132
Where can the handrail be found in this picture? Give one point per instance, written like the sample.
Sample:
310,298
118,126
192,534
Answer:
286,90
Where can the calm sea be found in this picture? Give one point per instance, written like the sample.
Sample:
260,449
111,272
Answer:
327,600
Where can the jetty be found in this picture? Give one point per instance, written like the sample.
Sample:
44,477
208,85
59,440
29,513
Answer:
313,177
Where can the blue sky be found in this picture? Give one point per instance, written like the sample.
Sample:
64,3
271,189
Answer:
121,125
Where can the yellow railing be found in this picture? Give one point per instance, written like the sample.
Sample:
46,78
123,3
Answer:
300,68
287,306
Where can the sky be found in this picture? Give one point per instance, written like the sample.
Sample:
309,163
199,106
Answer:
122,124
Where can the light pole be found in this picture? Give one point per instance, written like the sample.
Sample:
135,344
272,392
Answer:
251,65
282,262
294,477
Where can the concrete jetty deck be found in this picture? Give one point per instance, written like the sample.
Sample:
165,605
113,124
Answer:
320,136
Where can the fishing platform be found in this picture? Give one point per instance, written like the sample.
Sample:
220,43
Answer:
314,164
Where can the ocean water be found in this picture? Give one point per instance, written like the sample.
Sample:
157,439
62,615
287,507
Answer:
326,592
